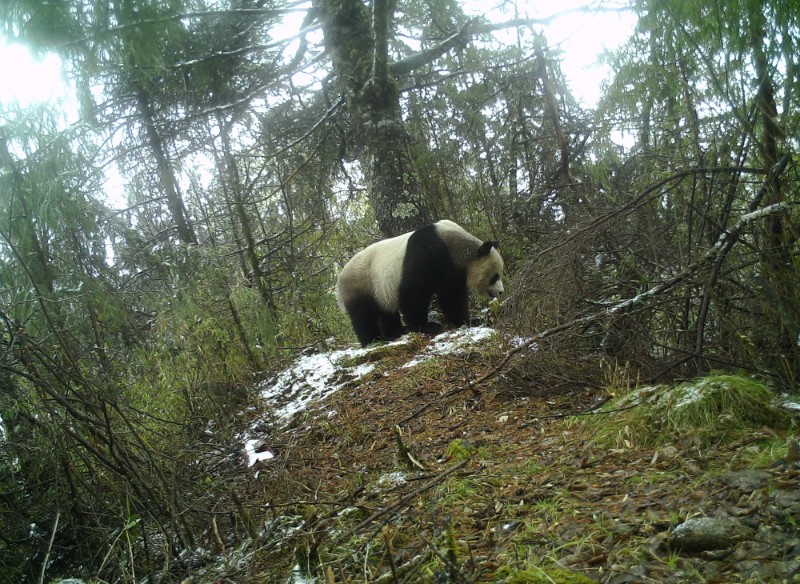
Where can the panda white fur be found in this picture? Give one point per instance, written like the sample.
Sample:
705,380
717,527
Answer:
402,274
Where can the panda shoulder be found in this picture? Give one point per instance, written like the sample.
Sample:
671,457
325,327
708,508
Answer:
447,224
454,234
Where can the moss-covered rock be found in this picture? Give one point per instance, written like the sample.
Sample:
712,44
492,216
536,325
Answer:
714,408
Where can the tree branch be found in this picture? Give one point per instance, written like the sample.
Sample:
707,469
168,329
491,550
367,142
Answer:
552,109
723,245
472,28
430,55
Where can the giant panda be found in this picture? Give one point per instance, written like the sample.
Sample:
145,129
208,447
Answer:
401,275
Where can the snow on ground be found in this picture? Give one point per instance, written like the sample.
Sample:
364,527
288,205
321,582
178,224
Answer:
452,343
791,406
255,450
312,378
690,394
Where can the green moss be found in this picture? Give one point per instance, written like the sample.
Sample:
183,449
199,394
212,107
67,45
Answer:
715,409
552,575
458,450
717,404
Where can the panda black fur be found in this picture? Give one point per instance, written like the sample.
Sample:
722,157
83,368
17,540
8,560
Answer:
400,276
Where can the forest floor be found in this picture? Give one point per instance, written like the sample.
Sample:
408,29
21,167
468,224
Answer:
415,475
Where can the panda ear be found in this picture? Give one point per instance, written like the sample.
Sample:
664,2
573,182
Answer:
486,247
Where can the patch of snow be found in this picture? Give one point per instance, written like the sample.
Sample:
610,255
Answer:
791,406
689,395
283,528
254,451
452,343
347,511
311,379
413,363
639,395
392,480
299,576
516,342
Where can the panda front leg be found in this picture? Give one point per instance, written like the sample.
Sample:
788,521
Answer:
414,305
454,303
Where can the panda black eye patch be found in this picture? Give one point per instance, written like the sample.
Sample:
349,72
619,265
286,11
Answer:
494,279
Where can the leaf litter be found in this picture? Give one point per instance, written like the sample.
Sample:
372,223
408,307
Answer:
533,489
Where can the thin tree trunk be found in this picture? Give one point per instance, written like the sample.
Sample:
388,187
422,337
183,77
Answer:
166,177
236,188
783,307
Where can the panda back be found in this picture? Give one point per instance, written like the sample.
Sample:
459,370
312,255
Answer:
374,272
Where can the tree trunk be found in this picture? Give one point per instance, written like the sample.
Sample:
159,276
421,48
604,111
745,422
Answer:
358,48
235,191
780,277
165,175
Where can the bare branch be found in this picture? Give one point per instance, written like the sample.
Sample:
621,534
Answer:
472,28
725,241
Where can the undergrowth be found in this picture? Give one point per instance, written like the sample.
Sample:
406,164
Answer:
712,409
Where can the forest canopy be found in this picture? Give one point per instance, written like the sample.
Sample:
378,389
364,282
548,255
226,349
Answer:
255,163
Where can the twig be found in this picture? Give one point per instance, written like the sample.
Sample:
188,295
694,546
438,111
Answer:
391,509
390,552
774,172
453,569
593,411
406,571
424,408
723,245
49,547
220,542
654,190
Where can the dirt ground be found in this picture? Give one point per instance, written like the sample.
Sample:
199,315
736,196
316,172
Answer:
417,475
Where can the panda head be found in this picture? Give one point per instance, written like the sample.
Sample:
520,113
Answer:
484,272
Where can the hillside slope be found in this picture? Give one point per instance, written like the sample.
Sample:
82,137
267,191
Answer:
389,464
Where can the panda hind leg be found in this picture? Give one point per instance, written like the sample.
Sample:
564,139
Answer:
364,316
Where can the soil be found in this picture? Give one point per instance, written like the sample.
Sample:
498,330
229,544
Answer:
421,476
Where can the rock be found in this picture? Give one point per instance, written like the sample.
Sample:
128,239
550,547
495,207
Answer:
760,571
746,480
793,450
706,533
787,501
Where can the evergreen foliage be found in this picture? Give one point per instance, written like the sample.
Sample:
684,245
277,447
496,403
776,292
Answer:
135,323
